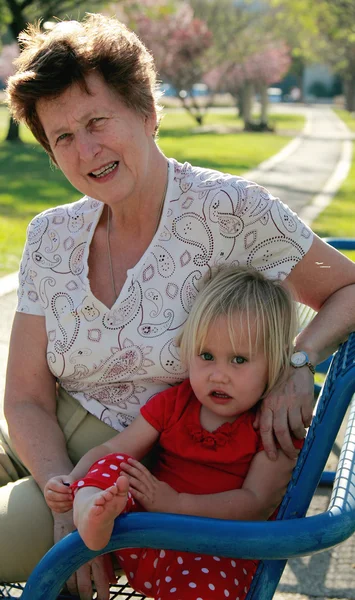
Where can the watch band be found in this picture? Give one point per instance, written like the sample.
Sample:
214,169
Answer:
311,367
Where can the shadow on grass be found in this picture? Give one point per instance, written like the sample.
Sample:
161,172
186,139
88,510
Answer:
28,183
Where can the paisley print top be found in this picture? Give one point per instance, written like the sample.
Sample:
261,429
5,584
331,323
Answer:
113,360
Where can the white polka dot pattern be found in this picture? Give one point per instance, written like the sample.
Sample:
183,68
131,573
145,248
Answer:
200,582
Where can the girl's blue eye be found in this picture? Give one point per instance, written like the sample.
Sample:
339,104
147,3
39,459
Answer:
239,360
206,356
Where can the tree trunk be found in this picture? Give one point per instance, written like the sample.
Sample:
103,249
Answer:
264,103
262,123
239,103
349,89
193,111
248,95
13,134
301,81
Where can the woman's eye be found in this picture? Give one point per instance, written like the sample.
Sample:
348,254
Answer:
96,120
239,360
206,356
62,137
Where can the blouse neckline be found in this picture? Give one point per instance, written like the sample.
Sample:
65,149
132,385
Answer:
137,267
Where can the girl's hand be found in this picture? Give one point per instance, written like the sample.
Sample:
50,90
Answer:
286,411
152,494
59,496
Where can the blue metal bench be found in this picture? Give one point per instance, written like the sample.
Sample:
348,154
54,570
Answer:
291,535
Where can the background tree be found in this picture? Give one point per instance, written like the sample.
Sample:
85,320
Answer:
262,69
178,41
232,25
247,55
253,74
338,28
295,21
321,31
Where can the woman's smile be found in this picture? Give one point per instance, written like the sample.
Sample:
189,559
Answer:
104,171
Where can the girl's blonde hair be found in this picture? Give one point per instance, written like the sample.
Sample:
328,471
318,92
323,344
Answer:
265,303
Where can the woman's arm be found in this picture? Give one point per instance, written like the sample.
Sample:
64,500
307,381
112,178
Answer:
260,495
30,409
325,280
30,401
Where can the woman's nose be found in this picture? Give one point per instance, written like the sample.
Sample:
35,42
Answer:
86,145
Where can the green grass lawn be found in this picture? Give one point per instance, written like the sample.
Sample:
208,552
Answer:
29,184
338,219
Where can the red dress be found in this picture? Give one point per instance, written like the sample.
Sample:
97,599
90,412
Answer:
195,461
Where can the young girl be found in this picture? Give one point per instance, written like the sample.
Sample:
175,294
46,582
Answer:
237,341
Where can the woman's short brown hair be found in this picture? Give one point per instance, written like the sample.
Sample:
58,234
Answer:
51,61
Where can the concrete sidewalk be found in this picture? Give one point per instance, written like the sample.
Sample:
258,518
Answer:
303,177
308,171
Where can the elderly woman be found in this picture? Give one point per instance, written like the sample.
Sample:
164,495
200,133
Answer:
107,282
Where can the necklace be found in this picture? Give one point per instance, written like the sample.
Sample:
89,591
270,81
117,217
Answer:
109,252
161,207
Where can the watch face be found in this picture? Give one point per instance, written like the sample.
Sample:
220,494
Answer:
298,359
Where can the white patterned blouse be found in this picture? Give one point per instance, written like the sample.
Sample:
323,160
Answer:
112,360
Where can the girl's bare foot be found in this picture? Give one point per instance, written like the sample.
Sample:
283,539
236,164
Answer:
95,511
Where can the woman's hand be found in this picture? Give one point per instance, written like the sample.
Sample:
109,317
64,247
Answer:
152,494
58,494
286,411
99,570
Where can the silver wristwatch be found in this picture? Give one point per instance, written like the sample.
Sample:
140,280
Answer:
300,359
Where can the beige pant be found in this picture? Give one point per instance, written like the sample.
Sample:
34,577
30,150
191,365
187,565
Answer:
26,524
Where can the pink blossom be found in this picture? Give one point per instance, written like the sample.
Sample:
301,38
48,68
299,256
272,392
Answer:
9,53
